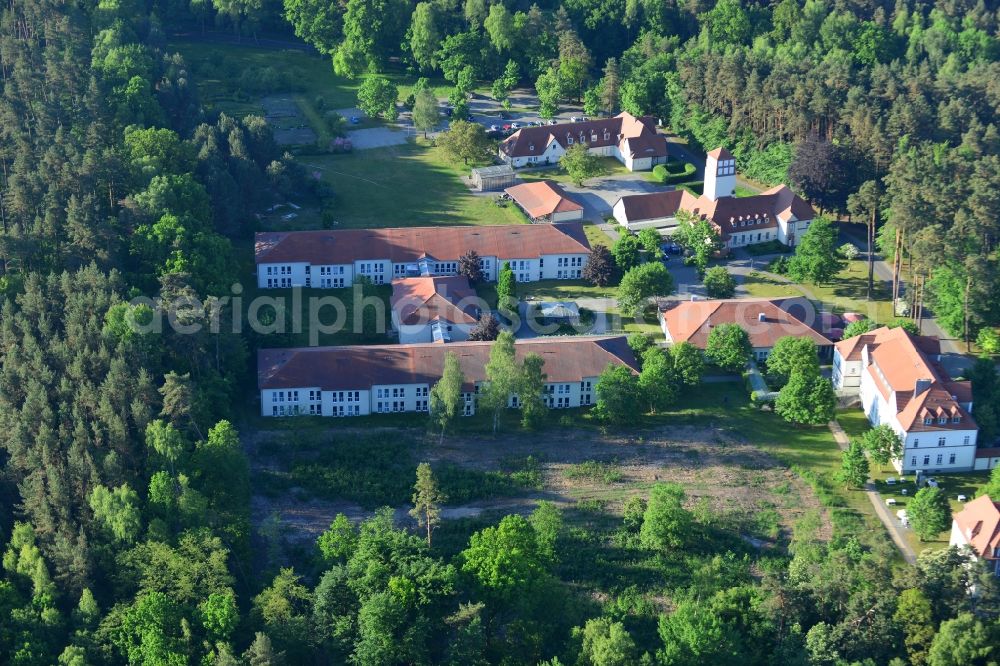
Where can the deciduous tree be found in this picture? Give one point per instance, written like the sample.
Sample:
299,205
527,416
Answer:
426,113
470,266
465,141
929,513
486,329
790,353
580,164
666,523
688,363
600,266
882,444
728,346
377,97
641,283
719,283
446,394
617,394
816,257
807,398
853,466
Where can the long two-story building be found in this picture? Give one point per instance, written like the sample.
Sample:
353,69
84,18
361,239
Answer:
901,384
335,259
361,380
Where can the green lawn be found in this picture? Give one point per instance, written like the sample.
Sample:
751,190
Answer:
845,293
596,235
407,185
952,485
855,423
608,166
562,290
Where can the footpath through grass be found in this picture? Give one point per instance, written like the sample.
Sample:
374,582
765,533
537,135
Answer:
855,423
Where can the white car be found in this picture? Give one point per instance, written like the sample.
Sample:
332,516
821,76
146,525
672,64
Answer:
575,119
515,126
552,121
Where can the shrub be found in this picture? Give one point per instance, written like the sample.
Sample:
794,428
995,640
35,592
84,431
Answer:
660,173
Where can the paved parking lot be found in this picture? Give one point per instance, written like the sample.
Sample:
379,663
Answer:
376,137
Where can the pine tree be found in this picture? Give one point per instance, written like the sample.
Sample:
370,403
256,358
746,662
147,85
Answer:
427,499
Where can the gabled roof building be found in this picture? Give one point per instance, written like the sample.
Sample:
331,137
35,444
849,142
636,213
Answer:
433,309
332,259
632,141
977,526
774,214
765,320
361,380
901,384
545,201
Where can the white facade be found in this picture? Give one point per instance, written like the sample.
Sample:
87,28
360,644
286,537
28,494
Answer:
846,374
667,223
932,451
554,152
382,271
961,541
396,398
720,176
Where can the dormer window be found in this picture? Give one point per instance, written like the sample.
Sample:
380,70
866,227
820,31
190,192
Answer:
956,419
928,421
531,146
607,135
569,140
943,420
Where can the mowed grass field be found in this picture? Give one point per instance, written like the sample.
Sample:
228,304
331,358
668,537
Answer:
845,293
413,184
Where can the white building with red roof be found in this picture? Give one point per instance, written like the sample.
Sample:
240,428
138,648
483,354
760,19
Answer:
977,527
901,384
333,259
433,309
632,141
545,201
373,379
774,214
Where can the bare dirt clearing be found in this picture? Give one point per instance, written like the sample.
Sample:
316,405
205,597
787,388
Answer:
725,479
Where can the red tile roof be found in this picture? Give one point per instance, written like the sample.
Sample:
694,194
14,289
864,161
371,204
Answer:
761,211
721,154
407,244
900,364
421,300
979,522
692,321
639,207
634,136
542,198
361,367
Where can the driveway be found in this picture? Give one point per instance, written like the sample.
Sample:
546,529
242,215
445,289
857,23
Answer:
598,195
487,111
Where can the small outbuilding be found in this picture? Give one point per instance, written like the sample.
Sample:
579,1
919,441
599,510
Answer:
545,201
493,178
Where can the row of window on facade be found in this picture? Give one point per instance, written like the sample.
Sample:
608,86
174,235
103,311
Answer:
387,407
400,392
938,460
929,420
942,441
279,270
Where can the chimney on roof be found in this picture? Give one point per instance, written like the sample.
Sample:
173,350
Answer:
921,386
761,317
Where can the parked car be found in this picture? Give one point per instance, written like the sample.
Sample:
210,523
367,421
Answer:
575,119
494,128
506,127
552,121
515,126
448,111
355,120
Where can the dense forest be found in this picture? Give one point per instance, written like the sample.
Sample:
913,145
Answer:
125,500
